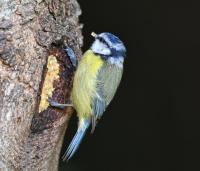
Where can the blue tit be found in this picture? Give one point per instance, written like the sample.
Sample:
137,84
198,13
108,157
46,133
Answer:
95,82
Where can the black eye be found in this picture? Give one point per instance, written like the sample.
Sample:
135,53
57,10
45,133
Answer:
103,41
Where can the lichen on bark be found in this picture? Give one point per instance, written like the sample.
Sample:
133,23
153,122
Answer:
31,140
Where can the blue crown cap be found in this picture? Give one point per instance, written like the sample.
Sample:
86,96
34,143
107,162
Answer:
114,42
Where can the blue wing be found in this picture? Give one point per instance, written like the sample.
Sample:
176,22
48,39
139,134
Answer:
109,77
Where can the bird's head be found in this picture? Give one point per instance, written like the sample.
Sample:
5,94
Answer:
109,47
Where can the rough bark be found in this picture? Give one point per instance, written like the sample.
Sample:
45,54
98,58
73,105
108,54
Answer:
30,140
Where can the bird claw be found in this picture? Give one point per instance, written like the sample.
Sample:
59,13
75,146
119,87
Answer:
58,105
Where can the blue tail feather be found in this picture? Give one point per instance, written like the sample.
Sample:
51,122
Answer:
76,141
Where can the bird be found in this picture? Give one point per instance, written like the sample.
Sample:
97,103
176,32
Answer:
97,77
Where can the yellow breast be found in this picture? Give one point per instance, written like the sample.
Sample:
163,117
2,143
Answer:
84,85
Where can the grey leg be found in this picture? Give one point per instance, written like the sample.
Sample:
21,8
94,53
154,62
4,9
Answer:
58,105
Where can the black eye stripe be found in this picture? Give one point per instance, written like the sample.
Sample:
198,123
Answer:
103,41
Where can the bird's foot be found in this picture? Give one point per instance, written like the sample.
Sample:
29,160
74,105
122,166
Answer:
58,105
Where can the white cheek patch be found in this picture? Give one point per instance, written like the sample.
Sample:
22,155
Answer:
100,48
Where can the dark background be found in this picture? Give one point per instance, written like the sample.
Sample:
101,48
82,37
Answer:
153,123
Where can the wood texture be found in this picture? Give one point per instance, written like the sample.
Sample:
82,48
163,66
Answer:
30,140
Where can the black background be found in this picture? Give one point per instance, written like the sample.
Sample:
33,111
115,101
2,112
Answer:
153,123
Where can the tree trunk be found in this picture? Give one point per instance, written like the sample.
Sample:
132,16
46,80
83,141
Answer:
32,32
